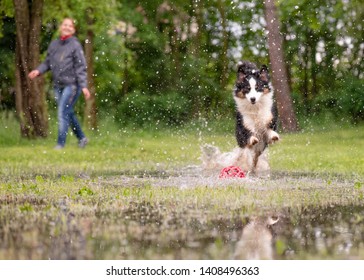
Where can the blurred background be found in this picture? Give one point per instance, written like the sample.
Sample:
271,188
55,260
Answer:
171,62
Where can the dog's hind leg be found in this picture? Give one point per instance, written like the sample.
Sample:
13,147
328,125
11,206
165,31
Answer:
262,168
245,159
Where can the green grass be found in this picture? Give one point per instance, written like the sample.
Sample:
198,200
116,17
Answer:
114,150
337,151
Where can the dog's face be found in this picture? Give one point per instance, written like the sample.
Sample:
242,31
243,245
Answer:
252,83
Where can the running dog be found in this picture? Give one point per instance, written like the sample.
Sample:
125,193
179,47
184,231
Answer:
256,116
256,123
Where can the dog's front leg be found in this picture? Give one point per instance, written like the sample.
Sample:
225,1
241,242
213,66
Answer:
244,136
253,141
272,136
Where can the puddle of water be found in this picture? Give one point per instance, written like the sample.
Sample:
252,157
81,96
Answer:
149,231
196,176
35,228
333,232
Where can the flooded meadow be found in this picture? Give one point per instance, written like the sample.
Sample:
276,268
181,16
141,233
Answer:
185,214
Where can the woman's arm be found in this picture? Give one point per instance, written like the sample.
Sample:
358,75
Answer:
79,64
42,68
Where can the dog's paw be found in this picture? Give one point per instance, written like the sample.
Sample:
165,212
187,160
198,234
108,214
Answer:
273,137
253,141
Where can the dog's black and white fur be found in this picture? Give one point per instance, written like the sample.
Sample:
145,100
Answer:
256,116
256,123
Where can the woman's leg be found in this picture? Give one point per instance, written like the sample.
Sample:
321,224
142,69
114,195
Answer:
73,121
61,116
66,116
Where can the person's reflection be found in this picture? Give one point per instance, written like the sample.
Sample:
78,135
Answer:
256,242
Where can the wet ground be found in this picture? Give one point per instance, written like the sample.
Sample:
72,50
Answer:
135,222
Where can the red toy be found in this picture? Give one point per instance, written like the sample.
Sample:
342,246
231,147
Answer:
232,172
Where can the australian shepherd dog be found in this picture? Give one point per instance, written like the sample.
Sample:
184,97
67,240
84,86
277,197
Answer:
256,123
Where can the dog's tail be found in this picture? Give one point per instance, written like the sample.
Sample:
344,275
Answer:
213,158
209,155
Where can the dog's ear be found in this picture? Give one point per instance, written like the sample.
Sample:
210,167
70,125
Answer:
241,76
246,68
264,75
242,71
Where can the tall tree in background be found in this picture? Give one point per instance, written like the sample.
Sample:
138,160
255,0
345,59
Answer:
196,27
30,101
221,6
90,112
279,70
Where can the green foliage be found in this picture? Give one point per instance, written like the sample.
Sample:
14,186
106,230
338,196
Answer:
317,34
6,11
66,178
142,110
345,100
153,48
85,191
7,66
280,247
27,207
198,84
351,98
39,179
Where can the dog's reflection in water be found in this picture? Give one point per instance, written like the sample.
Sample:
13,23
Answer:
256,242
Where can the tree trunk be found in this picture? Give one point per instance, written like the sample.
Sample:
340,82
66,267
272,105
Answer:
175,55
30,98
305,85
279,72
225,45
288,57
312,43
90,113
197,16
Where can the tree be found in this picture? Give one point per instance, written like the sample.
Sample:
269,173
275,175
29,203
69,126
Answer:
30,101
90,112
279,70
225,43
